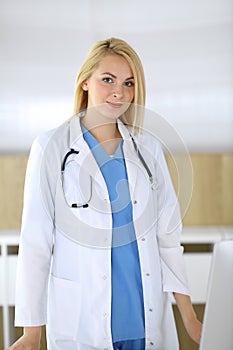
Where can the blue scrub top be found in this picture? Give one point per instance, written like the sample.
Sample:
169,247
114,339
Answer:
127,316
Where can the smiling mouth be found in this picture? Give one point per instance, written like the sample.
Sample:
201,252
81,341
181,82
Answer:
115,104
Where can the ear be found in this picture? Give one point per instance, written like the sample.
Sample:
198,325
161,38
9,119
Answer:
84,85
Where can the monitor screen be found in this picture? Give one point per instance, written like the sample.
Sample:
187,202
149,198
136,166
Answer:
217,330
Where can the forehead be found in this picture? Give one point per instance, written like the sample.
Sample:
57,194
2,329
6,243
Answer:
116,65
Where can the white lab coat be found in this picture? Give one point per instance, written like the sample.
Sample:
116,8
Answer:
64,263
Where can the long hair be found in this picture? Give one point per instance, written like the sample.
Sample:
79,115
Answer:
134,115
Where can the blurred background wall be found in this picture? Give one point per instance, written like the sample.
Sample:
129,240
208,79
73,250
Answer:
187,51
186,47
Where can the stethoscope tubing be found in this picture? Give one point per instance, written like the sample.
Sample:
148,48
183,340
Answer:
73,151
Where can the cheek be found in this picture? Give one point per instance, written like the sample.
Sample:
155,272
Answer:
96,93
128,95
131,95
102,90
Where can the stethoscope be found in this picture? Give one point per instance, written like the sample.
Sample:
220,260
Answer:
153,183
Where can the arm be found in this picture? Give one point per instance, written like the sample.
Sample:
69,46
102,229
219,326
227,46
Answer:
30,339
35,247
169,228
191,323
35,251
171,252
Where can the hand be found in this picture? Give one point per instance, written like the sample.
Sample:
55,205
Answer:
194,328
30,340
191,323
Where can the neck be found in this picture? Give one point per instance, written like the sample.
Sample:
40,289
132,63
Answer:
107,133
101,130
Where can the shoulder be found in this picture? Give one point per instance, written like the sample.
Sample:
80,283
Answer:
52,139
146,140
43,138
47,150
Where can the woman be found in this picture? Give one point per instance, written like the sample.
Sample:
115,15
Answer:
98,227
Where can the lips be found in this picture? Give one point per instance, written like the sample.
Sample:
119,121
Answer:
115,104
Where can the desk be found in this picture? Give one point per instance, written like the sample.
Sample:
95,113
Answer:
197,263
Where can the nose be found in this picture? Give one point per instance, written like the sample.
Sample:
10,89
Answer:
118,91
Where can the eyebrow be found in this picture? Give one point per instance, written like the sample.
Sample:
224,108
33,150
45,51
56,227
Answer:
114,76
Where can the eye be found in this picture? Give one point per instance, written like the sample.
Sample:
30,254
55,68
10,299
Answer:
129,83
107,80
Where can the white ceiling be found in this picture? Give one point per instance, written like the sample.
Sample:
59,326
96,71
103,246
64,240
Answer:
186,48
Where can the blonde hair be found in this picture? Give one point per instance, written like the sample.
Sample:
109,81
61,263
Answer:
134,115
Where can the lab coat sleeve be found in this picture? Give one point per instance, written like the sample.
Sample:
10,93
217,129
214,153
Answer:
169,227
36,242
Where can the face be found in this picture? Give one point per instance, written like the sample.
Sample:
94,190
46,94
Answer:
111,87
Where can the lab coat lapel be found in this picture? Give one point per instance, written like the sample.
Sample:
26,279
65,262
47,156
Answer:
131,158
85,158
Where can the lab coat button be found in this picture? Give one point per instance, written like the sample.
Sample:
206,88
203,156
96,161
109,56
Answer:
106,240
143,239
150,310
135,202
151,343
104,277
147,274
154,186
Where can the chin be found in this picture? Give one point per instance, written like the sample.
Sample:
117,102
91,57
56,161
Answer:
109,112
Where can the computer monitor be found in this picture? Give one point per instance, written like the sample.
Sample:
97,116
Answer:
217,333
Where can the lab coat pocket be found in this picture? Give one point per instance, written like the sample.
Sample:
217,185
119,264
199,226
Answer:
64,307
